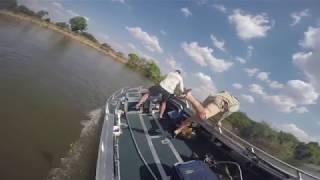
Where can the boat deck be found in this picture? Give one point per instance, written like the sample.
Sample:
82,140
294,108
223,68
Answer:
143,149
159,150
152,137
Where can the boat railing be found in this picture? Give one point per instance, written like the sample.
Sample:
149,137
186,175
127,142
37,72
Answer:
273,161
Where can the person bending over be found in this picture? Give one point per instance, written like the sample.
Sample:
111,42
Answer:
166,88
222,102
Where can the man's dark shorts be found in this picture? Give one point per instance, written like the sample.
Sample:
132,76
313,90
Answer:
157,90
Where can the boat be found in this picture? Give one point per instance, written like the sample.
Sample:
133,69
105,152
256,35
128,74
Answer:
136,144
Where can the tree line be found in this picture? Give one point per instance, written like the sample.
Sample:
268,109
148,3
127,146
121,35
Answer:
79,25
76,24
147,68
278,143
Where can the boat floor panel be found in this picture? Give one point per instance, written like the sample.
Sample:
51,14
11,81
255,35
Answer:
132,166
151,134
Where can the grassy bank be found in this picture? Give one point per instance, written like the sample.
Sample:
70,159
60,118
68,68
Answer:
76,29
66,33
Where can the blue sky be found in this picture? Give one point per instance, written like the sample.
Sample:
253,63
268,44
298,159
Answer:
266,53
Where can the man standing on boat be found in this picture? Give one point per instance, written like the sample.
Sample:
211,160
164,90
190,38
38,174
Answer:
166,88
223,103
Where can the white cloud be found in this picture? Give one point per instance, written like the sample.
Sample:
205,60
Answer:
220,8
172,63
250,26
150,42
203,85
241,60
290,98
282,103
237,85
204,56
120,1
72,13
58,5
251,71
198,54
248,98
312,39
297,16
102,36
257,89
301,110
186,12
132,46
133,49
302,92
250,51
163,32
296,131
275,85
57,11
263,76
218,44
308,61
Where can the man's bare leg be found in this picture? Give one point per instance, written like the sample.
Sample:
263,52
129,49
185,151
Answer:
142,100
200,110
162,109
201,113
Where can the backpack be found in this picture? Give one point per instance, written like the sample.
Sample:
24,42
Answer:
233,104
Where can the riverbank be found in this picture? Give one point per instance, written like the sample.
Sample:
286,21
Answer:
66,33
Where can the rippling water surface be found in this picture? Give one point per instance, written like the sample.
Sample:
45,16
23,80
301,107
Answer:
52,92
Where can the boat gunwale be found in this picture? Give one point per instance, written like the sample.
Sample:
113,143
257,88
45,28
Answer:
220,133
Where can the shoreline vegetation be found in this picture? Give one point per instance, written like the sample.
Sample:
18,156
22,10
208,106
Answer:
282,145
75,29
65,32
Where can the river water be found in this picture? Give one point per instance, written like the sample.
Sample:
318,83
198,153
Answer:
52,91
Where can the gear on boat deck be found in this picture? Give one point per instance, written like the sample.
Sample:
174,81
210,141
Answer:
159,150
138,146
149,137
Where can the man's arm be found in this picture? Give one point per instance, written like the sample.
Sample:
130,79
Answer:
200,110
181,85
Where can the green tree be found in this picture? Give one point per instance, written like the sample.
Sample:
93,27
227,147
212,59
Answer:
302,151
40,14
120,54
287,138
106,46
78,23
25,10
62,25
240,123
89,36
152,71
133,61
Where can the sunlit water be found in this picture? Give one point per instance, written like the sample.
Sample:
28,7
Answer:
52,92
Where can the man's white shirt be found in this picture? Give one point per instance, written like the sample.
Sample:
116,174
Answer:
172,80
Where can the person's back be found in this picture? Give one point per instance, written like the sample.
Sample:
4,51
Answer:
171,81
